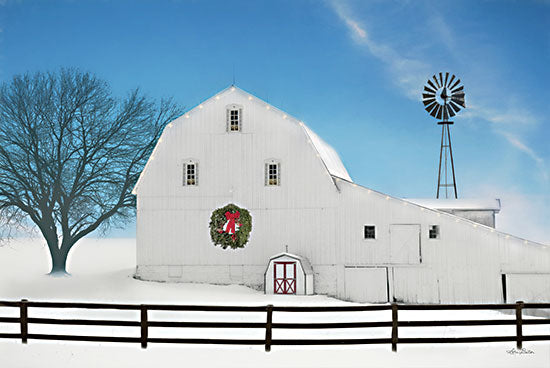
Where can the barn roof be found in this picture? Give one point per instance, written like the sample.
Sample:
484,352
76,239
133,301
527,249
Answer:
328,155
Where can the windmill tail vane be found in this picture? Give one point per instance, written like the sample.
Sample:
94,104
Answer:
443,97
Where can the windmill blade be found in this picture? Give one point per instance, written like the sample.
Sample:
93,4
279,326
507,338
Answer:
446,77
428,95
433,111
436,82
450,111
454,85
459,101
439,112
445,113
430,107
432,85
451,80
461,88
428,101
459,96
441,79
455,107
427,89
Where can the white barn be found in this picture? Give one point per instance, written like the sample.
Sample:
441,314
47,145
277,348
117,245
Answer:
346,240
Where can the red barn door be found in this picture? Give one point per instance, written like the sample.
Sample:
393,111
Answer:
284,277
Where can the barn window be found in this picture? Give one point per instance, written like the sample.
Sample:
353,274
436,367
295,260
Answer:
272,173
234,118
191,173
369,232
434,232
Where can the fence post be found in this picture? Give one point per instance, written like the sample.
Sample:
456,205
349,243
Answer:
144,325
394,327
24,319
268,327
519,324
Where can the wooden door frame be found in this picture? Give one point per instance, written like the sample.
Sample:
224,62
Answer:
287,283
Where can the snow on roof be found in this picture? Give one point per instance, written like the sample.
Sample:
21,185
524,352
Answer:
330,158
458,204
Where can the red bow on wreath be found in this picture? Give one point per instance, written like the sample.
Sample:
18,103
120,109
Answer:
231,227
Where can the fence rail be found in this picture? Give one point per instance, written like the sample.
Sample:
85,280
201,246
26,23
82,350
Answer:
145,324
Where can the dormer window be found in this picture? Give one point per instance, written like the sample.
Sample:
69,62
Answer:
234,118
272,173
190,173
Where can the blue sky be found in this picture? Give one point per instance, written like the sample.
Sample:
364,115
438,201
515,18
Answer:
352,70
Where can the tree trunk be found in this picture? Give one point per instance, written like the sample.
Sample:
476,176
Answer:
59,264
59,257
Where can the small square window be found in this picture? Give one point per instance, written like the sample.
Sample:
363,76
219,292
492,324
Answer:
370,232
434,232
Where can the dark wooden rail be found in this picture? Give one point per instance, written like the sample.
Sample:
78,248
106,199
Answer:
145,323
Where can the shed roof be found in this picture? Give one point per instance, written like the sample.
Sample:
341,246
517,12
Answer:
306,266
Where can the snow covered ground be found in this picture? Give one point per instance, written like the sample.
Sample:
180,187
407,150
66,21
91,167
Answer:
102,272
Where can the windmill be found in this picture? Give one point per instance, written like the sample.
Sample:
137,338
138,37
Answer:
443,98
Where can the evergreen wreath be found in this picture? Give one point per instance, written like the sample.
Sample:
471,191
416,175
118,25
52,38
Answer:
230,226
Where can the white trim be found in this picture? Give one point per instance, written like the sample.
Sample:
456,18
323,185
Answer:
228,118
267,178
185,179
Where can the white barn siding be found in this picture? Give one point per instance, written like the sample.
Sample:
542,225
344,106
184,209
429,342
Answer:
315,213
464,265
366,284
529,286
173,219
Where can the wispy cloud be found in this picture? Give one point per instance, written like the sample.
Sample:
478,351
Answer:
524,215
505,122
516,141
409,75
356,29
507,119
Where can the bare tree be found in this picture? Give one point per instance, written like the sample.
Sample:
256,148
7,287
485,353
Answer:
70,154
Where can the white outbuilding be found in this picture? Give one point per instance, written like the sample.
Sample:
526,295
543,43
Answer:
288,274
239,192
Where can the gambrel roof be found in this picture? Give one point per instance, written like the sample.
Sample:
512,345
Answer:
328,155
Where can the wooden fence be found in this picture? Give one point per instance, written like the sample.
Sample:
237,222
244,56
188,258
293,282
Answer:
145,324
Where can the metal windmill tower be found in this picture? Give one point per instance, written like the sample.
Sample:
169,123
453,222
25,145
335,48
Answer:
443,98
